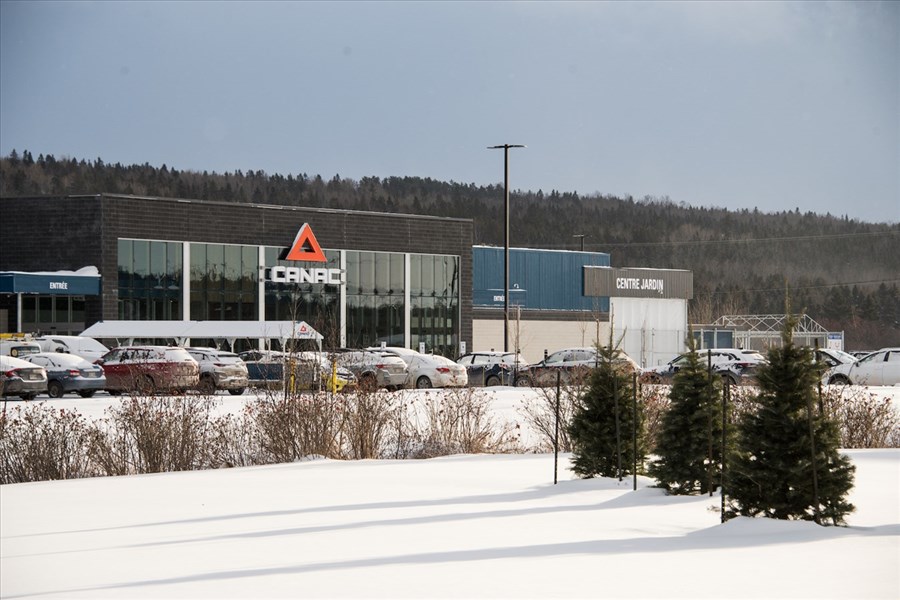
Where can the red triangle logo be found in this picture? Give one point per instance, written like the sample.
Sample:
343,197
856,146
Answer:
306,247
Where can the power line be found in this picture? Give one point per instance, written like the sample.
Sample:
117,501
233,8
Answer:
807,287
799,238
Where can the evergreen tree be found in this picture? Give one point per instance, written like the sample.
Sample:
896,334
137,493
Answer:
787,464
689,444
601,428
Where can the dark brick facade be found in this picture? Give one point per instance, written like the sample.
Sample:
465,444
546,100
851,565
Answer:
54,233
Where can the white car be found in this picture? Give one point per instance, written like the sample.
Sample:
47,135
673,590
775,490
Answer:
21,378
85,347
881,367
833,358
428,370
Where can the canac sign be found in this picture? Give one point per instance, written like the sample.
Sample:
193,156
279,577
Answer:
305,248
638,283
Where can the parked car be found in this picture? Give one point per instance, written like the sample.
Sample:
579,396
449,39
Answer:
272,369
493,368
374,369
18,348
573,365
737,364
832,358
21,378
881,367
428,370
149,369
69,373
220,370
85,347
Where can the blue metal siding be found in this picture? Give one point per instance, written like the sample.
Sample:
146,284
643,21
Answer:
538,279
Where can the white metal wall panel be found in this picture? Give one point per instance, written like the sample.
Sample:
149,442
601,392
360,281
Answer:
653,330
536,336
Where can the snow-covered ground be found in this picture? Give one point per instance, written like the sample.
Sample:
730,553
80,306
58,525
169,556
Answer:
453,527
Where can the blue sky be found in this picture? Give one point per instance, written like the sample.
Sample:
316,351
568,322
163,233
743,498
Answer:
769,105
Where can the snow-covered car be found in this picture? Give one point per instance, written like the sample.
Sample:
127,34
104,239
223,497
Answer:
491,368
21,378
300,371
428,370
374,369
85,347
18,348
573,365
69,373
149,369
881,367
832,358
736,364
220,370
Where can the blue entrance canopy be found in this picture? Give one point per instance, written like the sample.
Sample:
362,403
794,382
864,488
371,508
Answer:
84,282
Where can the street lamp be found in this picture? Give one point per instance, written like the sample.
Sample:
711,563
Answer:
582,236
506,148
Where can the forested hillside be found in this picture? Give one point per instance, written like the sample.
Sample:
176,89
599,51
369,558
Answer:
844,273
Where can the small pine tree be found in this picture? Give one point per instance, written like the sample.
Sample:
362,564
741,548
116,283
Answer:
601,428
787,464
689,444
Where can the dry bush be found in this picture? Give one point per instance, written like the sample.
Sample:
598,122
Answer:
655,399
540,414
370,420
865,420
456,421
154,434
38,443
290,427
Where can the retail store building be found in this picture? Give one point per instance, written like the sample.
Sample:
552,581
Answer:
359,278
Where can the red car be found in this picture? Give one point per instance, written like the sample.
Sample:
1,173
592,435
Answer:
149,369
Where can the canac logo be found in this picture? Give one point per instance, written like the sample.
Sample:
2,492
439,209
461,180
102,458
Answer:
305,248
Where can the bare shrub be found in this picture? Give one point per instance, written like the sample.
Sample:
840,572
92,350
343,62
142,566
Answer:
293,426
655,399
370,418
865,420
153,434
38,443
457,421
539,414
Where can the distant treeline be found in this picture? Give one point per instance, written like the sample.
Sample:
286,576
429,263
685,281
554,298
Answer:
844,273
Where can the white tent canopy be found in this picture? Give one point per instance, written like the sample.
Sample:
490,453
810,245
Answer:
182,331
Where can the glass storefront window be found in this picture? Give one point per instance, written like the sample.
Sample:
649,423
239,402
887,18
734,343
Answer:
150,279
224,281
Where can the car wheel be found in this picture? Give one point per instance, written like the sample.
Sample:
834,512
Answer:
86,393
422,383
730,378
492,381
207,386
55,389
236,392
28,396
839,380
145,385
523,381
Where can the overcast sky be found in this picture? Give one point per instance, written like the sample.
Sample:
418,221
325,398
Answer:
773,105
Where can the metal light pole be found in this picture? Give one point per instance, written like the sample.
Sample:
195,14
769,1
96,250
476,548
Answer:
506,148
582,236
